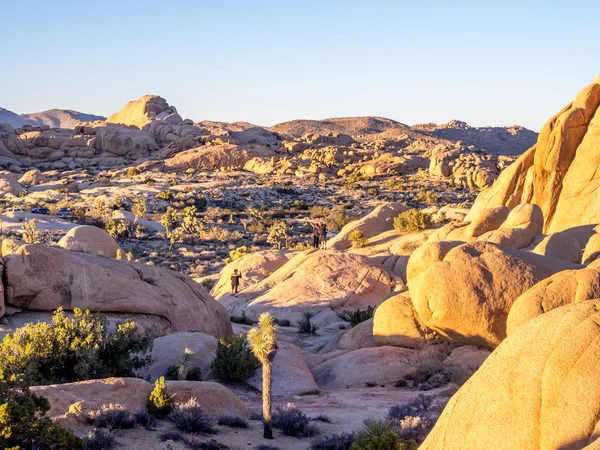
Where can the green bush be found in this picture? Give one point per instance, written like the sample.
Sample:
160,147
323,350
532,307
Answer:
159,403
23,421
233,360
132,172
165,195
74,349
378,435
358,316
305,324
412,220
358,239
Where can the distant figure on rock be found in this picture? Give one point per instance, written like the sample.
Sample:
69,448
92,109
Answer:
323,234
315,226
236,276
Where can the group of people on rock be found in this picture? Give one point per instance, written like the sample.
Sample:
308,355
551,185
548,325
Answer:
319,234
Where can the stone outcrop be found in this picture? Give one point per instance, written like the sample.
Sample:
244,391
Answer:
89,239
141,112
537,391
467,293
377,221
314,281
558,173
41,278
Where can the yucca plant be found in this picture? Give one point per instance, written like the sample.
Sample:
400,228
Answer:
263,343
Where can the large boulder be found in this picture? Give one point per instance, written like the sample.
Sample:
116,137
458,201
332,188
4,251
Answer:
396,323
168,350
359,336
92,240
215,157
79,401
537,391
290,375
9,185
467,294
377,221
520,227
214,398
314,281
254,268
563,288
141,112
32,177
560,246
559,172
127,142
41,278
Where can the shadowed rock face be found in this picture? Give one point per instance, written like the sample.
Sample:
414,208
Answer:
41,278
538,390
559,172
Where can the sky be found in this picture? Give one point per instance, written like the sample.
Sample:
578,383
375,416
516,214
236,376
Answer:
494,63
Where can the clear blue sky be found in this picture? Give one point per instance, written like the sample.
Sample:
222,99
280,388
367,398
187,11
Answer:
484,62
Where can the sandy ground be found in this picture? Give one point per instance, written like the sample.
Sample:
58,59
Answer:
347,409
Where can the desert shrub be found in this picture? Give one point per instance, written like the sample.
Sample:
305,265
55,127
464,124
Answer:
305,324
195,441
30,232
278,233
238,252
293,422
117,228
283,322
379,435
170,436
233,359
23,421
357,238
189,418
200,203
159,404
266,447
183,370
132,172
165,195
358,316
321,418
426,196
415,407
145,420
232,422
412,220
74,349
335,442
114,417
243,319
285,190
415,428
99,439
430,374
256,228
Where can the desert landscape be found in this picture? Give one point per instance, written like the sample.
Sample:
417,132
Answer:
348,283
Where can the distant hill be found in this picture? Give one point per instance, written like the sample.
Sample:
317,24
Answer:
54,118
512,140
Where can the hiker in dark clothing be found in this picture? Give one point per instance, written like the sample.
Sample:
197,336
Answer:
323,235
315,234
236,276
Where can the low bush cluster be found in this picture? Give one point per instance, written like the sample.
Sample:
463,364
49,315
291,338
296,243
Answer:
74,349
232,422
335,442
293,422
233,359
305,325
379,435
412,220
189,418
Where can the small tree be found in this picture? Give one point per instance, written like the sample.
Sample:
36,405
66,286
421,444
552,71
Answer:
30,232
168,219
245,222
358,239
176,236
263,343
278,233
159,403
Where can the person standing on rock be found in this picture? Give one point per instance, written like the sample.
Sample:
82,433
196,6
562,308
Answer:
315,226
236,276
323,235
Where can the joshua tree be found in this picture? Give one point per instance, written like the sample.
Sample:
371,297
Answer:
263,343
278,233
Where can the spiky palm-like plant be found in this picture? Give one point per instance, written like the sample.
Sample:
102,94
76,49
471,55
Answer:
263,343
